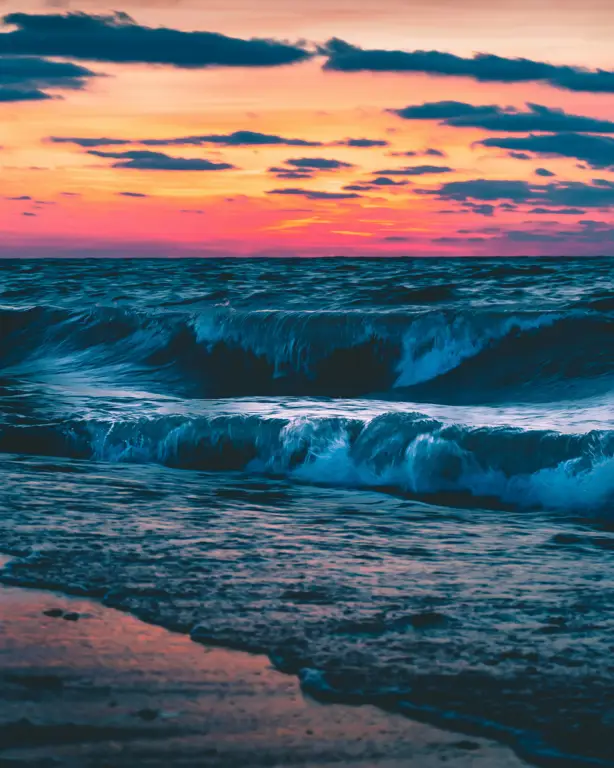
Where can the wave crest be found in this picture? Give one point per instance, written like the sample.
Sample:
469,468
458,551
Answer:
408,453
224,353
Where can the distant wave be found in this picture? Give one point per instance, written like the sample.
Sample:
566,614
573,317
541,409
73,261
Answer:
225,353
407,453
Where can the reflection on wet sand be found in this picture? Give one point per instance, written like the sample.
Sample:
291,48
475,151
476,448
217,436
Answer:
87,685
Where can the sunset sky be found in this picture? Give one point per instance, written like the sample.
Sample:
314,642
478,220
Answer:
306,127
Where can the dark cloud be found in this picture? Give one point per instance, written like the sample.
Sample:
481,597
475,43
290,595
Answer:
570,194
384,181
132,194
89,142
290,173
447,240
560,211
415,170
318,163
480,231
522,236
314,195
428,152
30,78
29,214
23,94
597,151
158,161
576,194
358,188
439,110
459,114
21,198
194,211
483,67
485,189
362,143
483,209
396,239
236,139
544,172
118,38
519,156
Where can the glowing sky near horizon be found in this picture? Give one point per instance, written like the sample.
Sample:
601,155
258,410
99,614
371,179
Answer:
491,187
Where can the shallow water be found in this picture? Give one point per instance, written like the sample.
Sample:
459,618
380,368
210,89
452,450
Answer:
394,477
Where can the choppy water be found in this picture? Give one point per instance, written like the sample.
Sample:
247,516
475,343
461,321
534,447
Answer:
394,477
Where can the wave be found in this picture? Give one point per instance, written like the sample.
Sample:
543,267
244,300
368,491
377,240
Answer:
227,353
407,453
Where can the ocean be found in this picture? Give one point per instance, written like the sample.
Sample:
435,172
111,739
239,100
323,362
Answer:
395,477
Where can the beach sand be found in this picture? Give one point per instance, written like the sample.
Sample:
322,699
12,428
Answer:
101,688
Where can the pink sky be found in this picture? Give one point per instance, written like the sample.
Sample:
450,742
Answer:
239,210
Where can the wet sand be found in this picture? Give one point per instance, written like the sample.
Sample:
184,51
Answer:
97,687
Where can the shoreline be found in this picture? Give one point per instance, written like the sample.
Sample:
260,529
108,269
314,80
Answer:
92,686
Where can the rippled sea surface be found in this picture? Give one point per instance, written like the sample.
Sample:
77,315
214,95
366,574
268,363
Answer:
395,477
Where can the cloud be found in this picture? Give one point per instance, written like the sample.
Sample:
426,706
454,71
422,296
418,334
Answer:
544,172
362,143
432,152
315,195
459,114
415,170
236,139
132,194
89,142
438,110
428,152
20,198
569,194
485,189
484,67
30,78
318,163
23,94
559,212
519,156
193,211
384,181
301,168
574,194
483,209
597,151
358,187
290,173
118,38
158,161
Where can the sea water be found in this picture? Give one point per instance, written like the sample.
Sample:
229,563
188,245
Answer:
394,477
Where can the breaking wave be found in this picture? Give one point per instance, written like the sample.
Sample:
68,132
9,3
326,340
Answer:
407,453
227,353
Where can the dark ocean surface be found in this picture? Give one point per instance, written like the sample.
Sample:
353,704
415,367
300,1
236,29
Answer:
394,477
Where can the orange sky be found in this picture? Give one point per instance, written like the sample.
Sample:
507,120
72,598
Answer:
232,211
